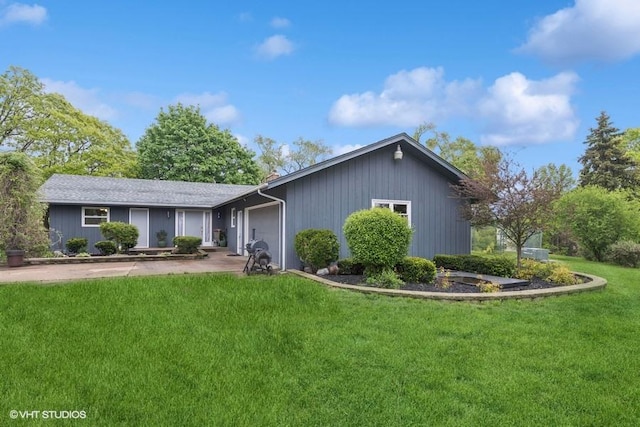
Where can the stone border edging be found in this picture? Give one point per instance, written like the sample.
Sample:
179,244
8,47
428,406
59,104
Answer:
595,284
112,258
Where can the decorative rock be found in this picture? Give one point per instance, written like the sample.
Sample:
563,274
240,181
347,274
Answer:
322,272
58,254
308,270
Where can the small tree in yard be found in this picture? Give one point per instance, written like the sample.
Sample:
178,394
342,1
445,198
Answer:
507,197
378,239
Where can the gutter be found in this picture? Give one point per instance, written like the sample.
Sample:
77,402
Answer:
283,267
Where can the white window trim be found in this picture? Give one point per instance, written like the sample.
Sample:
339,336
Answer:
389,202
233,217
84,216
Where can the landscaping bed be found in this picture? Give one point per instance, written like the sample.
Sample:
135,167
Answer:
113,258
455,287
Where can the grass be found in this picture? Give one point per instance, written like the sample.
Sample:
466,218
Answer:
222,350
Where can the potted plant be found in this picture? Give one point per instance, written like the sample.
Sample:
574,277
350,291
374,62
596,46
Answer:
21,214
223,239
162,238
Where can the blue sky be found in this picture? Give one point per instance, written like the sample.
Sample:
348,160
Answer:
527,76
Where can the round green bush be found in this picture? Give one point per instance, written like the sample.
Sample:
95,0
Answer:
625,253
377,238
317,248
187,244
76,245
106,247
124,235
416,270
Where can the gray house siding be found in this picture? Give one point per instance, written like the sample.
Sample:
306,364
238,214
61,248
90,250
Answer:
326,198
67,220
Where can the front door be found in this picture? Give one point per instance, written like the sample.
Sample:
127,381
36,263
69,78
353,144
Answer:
194,223
140,218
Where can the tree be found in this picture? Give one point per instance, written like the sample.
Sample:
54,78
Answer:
461,152
21,214
59,137
180,145
504,196
287,159
605,162
559,178
599,217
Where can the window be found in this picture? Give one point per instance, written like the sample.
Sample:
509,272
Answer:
233,217
93,217
401,207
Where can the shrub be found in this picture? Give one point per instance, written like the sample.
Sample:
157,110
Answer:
349,266
83,255
530,269
106,247
385,279
492,265
76,245
317,248
187,244
124,235
416,270
378,238
625,253
488,287
562,275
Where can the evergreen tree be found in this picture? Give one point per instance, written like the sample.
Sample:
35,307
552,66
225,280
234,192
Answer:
605,162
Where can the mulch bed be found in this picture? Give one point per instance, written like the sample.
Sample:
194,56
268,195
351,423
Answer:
430,287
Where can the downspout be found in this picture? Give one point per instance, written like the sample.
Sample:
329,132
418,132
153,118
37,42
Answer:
283,267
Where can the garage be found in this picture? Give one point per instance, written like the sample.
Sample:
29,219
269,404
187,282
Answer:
263,223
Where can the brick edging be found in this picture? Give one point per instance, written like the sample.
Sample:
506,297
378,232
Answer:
596,283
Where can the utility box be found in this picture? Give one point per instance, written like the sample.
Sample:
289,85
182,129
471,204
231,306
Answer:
538,254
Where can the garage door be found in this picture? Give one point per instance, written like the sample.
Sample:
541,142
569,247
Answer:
263,224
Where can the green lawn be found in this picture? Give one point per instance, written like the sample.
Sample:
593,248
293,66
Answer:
221,350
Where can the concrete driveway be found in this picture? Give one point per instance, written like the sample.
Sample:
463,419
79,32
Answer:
215,262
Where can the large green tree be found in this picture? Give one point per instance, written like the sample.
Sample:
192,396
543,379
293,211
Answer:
298,155
180,145
460,152
58,136
605,162
599,217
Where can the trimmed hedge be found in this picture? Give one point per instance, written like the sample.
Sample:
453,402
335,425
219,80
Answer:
187,244
124,235
377,238
416,270
494,265
317,247
76,245
106,247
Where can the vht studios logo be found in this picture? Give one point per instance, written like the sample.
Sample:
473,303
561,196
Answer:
54,415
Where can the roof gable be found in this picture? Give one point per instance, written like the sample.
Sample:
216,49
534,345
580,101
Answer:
82,189
404,140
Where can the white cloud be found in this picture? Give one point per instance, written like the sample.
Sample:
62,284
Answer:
601,30
87,100
408,99
278,22
517,110
213,106
513,110
274,47
141,100
23,13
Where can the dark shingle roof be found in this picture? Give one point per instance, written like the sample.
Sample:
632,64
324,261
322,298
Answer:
95,190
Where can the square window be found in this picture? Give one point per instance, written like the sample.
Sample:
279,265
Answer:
401,207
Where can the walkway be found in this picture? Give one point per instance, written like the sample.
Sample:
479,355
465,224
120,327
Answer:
215,262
